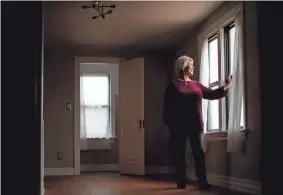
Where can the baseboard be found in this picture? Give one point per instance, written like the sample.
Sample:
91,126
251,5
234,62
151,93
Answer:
59,171
151,170
99,167
233,183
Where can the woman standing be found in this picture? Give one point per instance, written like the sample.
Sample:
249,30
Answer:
183,116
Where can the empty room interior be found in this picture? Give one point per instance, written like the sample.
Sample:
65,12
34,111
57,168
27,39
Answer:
103,124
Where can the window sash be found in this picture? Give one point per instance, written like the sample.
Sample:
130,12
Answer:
215,84
99,126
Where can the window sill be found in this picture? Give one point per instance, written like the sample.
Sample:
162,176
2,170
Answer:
215,135
101,139
97,144
223,135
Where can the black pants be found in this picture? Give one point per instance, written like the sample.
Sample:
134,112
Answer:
178,148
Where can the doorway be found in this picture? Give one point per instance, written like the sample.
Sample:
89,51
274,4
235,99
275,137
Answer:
96,91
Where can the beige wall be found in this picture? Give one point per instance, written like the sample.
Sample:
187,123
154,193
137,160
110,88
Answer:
59,122
236,164
100,156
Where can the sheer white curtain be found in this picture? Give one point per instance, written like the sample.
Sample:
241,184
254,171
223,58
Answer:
95,126
83,131
204,79
236,90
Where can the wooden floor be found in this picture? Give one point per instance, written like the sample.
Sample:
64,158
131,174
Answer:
115,184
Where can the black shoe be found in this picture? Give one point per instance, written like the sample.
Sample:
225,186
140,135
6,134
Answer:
205,186
181,185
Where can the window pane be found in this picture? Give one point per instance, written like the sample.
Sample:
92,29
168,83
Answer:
213,113
231,48
213,60
242,123
95,121
213,106
95,90
95,108
231,41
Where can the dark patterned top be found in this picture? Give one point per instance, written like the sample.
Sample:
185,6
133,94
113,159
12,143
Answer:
183,104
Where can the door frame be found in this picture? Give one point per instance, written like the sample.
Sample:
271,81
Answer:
78,61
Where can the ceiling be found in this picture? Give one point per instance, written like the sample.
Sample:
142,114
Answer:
140,23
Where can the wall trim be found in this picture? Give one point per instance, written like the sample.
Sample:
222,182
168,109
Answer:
59,171
99,167
232,183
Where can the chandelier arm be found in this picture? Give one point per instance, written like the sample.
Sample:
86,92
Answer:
107,6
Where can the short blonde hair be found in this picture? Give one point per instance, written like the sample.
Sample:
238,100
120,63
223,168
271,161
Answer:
181,63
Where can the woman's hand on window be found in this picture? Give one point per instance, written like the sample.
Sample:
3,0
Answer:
228,82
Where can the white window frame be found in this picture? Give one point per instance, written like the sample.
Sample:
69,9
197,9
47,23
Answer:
218,29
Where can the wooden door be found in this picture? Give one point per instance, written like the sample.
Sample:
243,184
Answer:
131,135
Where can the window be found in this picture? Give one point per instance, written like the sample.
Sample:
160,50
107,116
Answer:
213,119
229,43
95,106
219,70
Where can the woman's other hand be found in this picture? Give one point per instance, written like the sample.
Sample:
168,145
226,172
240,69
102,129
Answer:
228,82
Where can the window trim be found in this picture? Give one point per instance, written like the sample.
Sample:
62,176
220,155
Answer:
223,135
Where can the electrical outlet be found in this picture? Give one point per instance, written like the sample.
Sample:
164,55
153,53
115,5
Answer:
59,156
